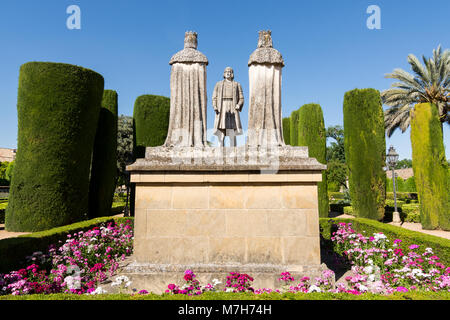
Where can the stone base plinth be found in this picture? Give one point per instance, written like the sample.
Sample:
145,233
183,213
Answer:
228,217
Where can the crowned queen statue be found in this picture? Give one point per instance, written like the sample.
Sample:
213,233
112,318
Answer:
187,123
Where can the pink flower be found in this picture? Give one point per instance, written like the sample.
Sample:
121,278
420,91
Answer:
413,246
401,289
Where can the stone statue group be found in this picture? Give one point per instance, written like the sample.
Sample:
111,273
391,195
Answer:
188,99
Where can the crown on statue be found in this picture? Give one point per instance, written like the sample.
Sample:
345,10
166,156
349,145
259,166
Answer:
265,39
190,40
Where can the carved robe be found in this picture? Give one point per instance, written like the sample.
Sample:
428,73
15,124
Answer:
228,117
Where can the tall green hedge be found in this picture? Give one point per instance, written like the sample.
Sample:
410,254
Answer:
430,167
58,107
151,122
104,158
311,133
293,131
365,151
287,130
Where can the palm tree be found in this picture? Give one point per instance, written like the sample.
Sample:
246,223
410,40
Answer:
431,83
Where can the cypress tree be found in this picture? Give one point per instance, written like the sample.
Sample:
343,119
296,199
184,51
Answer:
104,159
151,122
311,133
58,106
287,130
430,167
365,151
293,131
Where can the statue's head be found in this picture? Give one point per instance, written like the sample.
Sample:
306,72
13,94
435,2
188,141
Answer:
190,40
228,73
265,39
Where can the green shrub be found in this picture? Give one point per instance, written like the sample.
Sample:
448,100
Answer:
403,196
349,210
410,184
390,203
287,130
338,207
311,133
440,246
14,250
151,122
336,195
293,131
9,172
411,212
104,158
430,167
58,107
365,151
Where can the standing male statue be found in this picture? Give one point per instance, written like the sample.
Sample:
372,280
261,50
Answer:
228,101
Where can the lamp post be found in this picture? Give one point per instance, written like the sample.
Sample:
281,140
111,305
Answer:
392,159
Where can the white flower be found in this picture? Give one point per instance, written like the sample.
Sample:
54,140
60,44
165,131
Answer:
314,288
228,289
72,282
99,290
368,269
215,282
363,288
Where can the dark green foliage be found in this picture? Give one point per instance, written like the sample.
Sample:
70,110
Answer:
440,246
365,151
124,147
311,133
3,167
151,122
10,171
58,107
104,158
14,250
430,167
287,130
407,185
337,172
336,150
403,164
410,184
293,131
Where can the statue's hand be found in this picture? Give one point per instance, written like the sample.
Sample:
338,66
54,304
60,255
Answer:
237,107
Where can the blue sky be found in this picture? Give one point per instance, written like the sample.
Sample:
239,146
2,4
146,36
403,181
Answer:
326,45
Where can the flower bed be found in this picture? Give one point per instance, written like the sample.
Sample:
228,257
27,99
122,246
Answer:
76,265
379,265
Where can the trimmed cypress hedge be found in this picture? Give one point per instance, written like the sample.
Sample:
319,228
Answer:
311,133
104,158
58,107
151,122
365,151
293,131
287,130
430,167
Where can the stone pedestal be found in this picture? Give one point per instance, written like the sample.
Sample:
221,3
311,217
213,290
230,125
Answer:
255,212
